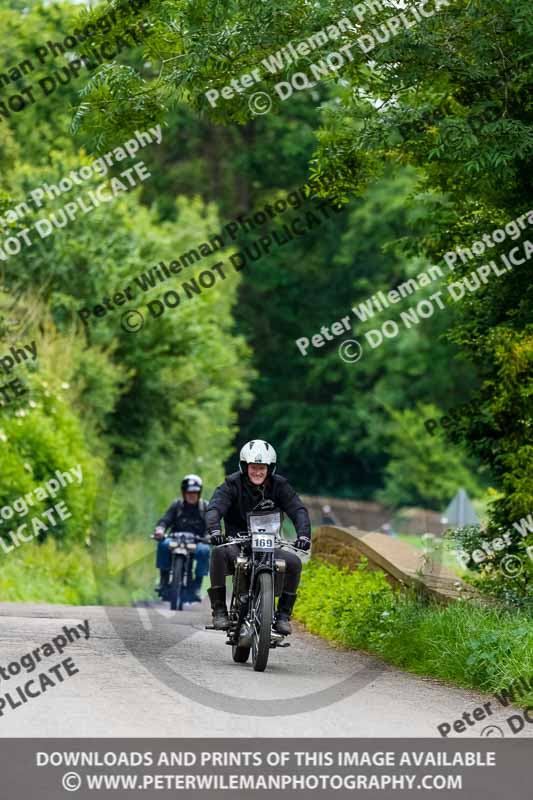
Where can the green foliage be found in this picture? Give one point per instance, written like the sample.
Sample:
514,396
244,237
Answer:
467,128
43,432
134,410
507,573
423,469
48,573
472,646
52,573
344,606
425,159
337,409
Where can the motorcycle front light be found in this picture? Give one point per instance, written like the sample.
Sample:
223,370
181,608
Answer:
173,544
191,546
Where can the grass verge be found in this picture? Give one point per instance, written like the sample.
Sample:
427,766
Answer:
74,575
471,646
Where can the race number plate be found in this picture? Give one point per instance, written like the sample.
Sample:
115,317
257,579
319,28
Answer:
264,542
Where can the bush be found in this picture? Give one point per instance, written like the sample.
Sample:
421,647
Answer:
341,605
506,574
57,573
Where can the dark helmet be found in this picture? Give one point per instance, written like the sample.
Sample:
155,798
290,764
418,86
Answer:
191,483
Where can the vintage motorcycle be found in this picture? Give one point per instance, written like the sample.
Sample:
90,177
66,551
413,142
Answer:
182,546
257,581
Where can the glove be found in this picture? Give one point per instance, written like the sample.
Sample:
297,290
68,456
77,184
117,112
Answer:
303,543
159,533
216,538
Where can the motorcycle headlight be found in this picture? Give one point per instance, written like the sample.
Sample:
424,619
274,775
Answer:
173,544
191,546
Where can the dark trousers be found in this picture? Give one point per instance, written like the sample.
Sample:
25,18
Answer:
223,563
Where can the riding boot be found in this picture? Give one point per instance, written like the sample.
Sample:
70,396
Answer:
283,615
217,595
163,581
195,590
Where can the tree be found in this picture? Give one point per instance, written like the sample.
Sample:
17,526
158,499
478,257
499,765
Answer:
424,469
294,398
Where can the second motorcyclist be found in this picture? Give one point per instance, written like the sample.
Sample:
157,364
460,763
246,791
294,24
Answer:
185,514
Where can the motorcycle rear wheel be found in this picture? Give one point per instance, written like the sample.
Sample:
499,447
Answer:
263,606
176,587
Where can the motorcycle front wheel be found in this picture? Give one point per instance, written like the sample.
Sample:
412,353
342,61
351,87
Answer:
176,587
262,624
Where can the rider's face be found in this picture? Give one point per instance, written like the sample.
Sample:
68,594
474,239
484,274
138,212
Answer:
191,497
257,473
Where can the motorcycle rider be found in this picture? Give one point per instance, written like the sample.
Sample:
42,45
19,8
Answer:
185,514
240,493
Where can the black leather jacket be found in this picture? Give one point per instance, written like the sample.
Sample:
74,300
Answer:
236,496
181,516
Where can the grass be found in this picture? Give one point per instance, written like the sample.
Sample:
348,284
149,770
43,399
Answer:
448,558
471,646
475,647
74,575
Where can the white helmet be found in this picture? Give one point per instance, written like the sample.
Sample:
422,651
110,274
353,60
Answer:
258,452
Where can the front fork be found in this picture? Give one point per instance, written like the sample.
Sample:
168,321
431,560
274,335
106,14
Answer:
243,607
247,620
187,567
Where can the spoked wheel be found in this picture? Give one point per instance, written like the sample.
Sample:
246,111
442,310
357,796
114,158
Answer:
176,587
262,621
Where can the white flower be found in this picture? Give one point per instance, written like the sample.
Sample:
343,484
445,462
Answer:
65,385
27,467
3,437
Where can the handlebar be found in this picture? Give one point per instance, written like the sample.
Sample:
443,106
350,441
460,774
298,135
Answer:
175,534
244,536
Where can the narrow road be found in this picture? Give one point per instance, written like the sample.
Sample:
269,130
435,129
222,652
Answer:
149,672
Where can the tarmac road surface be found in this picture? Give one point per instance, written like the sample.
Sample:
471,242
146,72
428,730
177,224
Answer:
149,672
